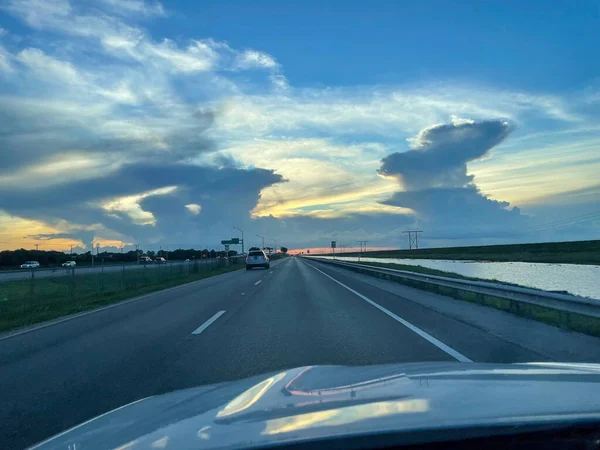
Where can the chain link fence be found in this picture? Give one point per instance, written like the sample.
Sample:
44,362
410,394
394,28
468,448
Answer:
48,294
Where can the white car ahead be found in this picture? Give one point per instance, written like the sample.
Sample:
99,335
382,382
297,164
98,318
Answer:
69,264
30,265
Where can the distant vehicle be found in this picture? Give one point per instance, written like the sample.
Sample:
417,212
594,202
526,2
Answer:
187,260
145,260
160,260
257,258
69,264
30,265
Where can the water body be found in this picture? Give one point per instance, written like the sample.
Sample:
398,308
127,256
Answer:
578,279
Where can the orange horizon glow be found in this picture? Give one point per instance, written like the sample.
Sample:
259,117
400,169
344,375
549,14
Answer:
338,251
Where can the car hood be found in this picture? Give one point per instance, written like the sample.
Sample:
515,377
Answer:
317,402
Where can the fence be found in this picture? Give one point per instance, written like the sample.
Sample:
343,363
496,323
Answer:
50,294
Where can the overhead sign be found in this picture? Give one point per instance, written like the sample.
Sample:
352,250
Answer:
333,244
232,241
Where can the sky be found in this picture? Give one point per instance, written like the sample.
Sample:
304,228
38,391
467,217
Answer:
167,124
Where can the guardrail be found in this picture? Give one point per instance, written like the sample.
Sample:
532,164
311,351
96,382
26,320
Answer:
566,310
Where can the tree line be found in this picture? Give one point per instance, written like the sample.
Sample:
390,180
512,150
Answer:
12,258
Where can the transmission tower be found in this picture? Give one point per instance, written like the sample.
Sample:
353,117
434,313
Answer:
413,238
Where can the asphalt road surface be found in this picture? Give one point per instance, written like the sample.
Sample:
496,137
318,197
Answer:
244,323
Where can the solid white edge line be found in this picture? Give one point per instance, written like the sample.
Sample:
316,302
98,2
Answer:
86,422
439,344
208,323
258,282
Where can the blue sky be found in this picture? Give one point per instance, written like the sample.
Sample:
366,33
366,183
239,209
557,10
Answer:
536,45
169,123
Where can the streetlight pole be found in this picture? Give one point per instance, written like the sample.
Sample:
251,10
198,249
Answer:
263,240
275,245
241,231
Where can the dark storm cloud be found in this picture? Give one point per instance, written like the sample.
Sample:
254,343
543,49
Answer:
31,134
441,153
456,208
222,193
50,236
436,184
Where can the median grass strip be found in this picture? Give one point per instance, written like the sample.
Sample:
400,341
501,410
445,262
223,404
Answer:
27,302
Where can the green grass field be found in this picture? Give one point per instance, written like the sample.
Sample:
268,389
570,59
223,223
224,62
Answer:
26,302
577,252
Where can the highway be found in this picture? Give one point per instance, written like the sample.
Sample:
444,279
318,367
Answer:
23,274
243,323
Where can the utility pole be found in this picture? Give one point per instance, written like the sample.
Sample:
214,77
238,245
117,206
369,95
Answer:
92,253
263,240
241,231
363,246
71,249
37,247
413,239
137,253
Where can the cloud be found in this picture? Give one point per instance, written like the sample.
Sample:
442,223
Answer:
128,135
135,8
5,65
194,208
441,152
49,69
252,59
436,185
388,112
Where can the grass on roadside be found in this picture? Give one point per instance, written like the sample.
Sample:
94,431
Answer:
576,252
428,271
26,302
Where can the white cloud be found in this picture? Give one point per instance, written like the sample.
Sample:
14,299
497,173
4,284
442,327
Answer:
130,205
5,65
48,68
135,8
387,112
320,174
194,208
252,59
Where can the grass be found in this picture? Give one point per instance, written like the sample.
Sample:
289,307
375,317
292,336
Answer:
27,302
428,271
577,252
562,319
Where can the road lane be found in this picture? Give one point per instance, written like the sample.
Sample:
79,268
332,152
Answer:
58,376
297,317
258,321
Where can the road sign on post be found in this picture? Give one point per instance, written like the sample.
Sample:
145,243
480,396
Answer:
333,244
232,241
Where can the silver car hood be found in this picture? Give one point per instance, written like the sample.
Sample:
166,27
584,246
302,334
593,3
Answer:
318,402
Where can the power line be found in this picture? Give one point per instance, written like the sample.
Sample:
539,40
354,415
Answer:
582,218
413,238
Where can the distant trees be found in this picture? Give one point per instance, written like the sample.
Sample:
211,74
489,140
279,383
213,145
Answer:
14,258
283,249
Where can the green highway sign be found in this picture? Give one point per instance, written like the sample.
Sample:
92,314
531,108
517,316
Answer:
232,241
